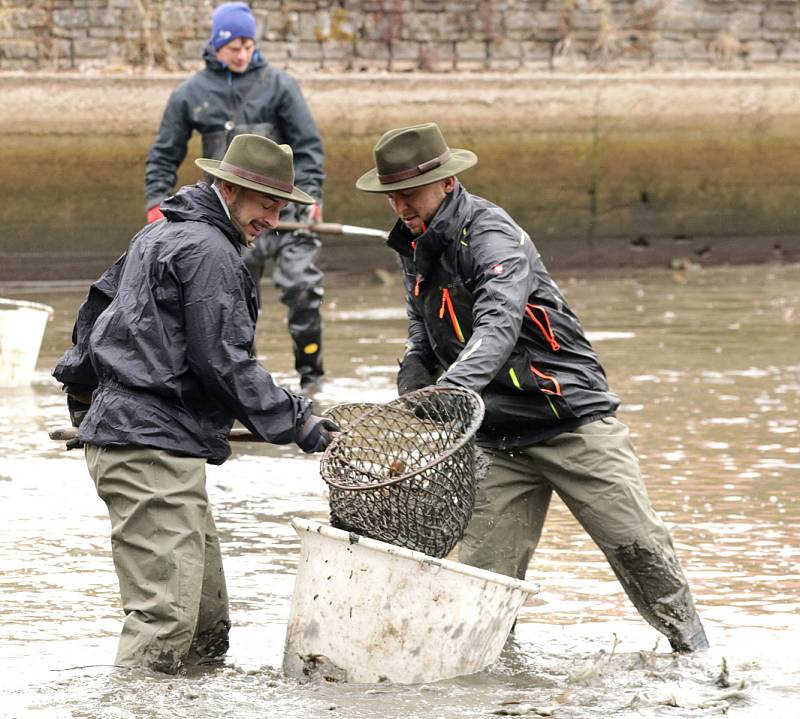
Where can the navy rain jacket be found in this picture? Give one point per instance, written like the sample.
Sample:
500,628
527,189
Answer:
164,341
483,310
263,100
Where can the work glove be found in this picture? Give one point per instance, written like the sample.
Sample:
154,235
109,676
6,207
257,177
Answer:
413,374
307,215
74,443
154,213
433,407
316,433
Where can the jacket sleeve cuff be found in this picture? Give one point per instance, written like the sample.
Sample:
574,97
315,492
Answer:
303,413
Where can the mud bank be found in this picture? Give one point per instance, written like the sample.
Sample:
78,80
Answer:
603,170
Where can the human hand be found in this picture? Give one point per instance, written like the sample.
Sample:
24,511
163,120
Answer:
431,406
154,213
316,433
74,443
413,374
309,214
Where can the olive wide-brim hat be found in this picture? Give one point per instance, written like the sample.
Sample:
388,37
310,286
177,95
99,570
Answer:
411,157
257,163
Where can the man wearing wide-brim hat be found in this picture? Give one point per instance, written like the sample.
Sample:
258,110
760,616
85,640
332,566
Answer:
238,92
485,314
161,366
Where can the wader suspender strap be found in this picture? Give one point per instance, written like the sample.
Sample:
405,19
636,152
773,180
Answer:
234,117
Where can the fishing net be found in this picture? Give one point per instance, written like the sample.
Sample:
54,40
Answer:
347,413
405,472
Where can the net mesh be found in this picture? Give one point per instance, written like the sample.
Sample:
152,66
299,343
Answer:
405,472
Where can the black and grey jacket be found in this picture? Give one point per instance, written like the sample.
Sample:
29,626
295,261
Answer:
484,311
220,104
164,340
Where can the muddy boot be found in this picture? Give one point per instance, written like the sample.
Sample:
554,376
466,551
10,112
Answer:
168,662
210,646
685,643
305,328
654,581
308,361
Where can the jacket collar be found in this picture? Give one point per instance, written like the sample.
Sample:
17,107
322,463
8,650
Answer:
199,203
210,59
443,230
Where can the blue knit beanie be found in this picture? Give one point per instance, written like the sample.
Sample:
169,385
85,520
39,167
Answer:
229,21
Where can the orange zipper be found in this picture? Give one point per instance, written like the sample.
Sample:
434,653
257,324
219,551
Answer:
447,303
549,378
545,328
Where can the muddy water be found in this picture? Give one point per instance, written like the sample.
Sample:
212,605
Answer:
708,367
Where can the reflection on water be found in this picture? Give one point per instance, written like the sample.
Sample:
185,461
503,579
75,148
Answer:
707,365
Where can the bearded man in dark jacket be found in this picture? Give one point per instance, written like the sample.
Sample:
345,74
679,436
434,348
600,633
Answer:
485,314
238,92
160,368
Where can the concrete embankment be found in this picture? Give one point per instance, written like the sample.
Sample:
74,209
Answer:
603,170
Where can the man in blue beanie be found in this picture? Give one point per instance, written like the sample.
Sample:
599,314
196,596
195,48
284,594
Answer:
238,92
231,21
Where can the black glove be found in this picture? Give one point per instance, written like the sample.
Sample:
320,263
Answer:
413,374
74,443
316,433
434,407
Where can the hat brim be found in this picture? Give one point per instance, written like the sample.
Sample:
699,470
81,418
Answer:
459,161
212,168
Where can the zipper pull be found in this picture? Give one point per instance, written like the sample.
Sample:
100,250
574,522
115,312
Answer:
547,331
447,302
416,286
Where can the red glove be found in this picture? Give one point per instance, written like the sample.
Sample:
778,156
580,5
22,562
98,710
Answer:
154,213
308,214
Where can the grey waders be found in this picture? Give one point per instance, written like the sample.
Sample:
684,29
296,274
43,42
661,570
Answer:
596,473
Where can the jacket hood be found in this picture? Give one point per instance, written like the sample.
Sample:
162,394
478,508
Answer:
199,203
443,229
213,64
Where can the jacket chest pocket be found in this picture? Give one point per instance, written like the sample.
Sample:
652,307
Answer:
448,315
539,319
447,311
216,142
265,129
526,377
522,375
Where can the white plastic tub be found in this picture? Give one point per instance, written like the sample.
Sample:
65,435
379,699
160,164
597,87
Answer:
366,611
22,327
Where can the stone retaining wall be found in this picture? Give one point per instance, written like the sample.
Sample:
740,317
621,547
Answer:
402,35
603,170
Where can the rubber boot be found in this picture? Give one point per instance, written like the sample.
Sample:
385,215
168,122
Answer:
654,581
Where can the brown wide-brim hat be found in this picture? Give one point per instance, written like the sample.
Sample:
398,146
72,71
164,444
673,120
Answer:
411,157
259,164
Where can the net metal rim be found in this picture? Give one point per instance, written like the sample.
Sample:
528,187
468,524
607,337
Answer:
466,436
